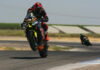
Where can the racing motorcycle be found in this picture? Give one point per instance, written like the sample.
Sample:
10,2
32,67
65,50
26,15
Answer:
31,26
86,42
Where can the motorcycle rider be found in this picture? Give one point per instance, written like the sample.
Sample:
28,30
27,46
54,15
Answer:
83,39
38,11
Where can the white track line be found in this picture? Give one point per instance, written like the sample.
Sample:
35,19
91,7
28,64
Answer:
76,65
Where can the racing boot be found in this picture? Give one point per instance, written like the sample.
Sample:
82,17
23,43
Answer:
46,36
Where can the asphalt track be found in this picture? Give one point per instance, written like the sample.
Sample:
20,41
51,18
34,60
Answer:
29,60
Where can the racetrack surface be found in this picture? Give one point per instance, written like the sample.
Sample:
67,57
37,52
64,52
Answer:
29,60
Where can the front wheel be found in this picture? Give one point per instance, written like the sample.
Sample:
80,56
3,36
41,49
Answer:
31,39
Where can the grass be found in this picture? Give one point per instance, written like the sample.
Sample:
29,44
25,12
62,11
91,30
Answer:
18,25
51,48
13,32
73,35
10,26
14,29
9,48
58,48
70,25
14,48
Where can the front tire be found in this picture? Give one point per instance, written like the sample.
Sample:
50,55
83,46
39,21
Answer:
31,40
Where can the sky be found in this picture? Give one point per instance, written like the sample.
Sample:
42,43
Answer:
83,12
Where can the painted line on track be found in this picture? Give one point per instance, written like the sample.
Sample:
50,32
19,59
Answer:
77,65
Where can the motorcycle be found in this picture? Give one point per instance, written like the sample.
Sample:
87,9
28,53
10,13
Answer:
31,26
86,42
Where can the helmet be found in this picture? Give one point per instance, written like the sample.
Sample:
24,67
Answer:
38,5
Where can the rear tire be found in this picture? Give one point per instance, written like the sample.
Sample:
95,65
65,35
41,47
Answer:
44,53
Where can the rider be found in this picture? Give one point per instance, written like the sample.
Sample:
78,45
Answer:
38,11
84,38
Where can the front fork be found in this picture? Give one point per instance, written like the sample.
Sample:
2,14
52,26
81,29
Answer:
35,37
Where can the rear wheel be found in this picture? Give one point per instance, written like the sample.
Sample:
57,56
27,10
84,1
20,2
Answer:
44,52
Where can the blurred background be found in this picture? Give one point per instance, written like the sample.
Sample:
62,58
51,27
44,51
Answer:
67,19
81,12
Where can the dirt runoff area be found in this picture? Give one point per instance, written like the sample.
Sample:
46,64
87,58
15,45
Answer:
14,46
73,39
63,39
